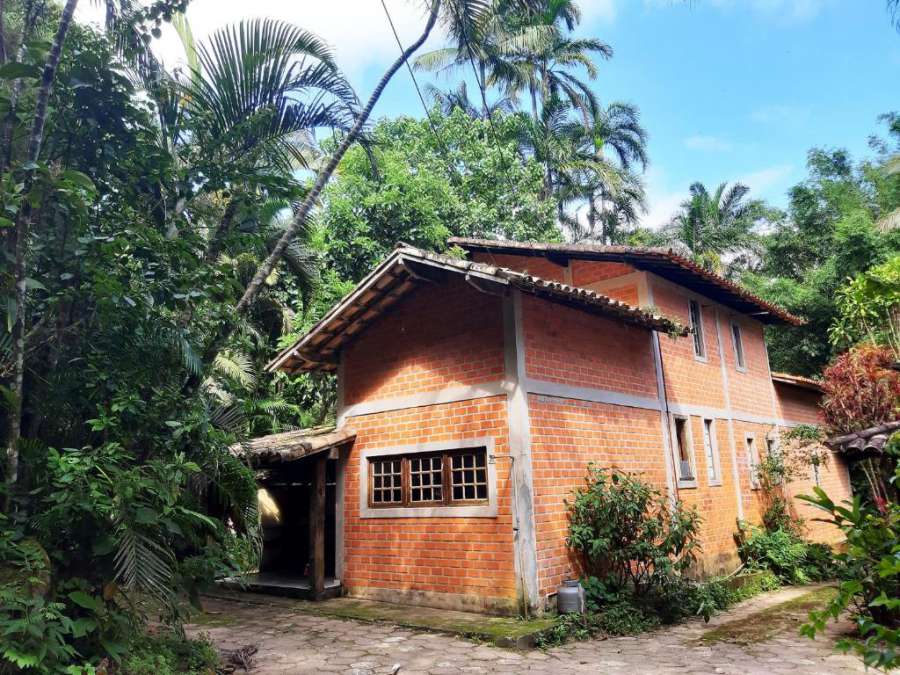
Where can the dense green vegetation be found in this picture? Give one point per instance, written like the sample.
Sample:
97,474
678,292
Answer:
163,232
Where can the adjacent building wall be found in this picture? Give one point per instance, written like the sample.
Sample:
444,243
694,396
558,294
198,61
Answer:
800,405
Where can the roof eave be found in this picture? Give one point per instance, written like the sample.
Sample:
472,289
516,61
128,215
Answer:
640,258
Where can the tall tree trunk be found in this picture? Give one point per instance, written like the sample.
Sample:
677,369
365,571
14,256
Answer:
534,110
302,213
22,231
219,236
2,33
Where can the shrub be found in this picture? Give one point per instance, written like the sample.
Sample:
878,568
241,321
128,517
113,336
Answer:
780,551
626,533
168,653
872,586
861,389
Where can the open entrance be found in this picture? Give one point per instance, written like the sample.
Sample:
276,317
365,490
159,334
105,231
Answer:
287,513
299,478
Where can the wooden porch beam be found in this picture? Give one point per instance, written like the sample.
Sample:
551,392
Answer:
317,529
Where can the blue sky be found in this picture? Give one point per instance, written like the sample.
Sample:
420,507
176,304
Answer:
728,89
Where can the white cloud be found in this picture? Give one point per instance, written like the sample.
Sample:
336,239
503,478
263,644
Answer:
781,114
764,180
662,201
358,31
707,143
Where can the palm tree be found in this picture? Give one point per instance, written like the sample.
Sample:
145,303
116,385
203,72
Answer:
524,51
554,140
21,236
252,99
615,130
459,98
713,224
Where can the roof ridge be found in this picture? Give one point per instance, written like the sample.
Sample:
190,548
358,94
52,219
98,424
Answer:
669,253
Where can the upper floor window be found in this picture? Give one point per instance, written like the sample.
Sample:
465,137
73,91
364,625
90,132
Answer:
738,343
449,478
696,318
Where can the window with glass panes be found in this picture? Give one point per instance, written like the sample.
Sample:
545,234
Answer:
450,478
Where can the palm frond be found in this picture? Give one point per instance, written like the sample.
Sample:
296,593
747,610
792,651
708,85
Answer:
237,366
143,564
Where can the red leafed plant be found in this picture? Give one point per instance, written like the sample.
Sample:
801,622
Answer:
861,389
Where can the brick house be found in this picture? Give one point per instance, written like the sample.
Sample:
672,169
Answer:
474,391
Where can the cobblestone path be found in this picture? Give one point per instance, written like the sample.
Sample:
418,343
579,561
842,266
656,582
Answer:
290,641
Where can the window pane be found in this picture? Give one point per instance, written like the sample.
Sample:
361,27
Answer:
738,345
753,459
468,475
712,470
697,326
386,481
685,471
426,476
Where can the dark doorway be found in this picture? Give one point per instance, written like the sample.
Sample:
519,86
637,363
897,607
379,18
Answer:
285,493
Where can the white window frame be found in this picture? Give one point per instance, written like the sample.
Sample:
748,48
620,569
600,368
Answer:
676,455
697,331
712,458
488,510
737,346
752,459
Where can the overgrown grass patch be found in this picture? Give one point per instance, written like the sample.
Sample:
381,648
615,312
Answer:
769,622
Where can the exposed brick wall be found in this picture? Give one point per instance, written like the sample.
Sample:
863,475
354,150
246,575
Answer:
566,436
538,266
471,557
834,478
437,337
750,391
448,335
688,380
586,272
715,501
797,404
628,293
572,347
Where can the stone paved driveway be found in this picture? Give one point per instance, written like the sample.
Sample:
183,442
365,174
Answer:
293,642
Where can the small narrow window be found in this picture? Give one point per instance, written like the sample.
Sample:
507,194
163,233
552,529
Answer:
773,450
683,450
709,448
753,459
738,347
696,318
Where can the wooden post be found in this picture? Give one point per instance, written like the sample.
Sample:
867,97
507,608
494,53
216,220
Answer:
317,529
